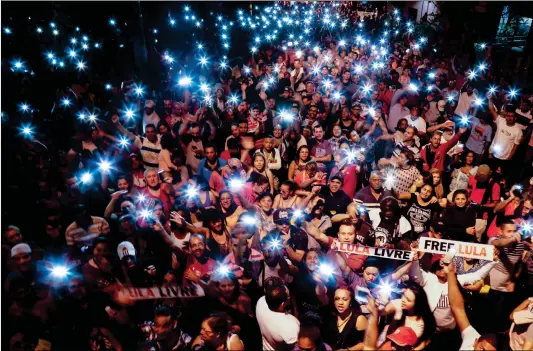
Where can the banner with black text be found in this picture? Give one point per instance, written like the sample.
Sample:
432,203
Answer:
162,292
392,254
463,249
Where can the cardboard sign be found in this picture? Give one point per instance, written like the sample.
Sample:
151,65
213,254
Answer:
463,249
160,292
392,254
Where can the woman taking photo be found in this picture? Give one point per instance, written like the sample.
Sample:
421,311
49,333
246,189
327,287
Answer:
298,165
459,221
411,311
310,291
347,327
215,334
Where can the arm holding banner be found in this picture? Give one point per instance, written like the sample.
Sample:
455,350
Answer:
504,242
417,274
471,278
457,303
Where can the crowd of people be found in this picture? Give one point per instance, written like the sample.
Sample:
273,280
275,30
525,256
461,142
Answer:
243,184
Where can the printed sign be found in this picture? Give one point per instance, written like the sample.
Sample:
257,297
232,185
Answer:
463,249
392,254
162,292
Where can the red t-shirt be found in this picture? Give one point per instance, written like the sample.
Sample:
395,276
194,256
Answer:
477,194
201,270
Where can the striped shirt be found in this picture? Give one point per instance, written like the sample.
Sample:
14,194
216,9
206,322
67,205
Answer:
400,144
149,151
504,270
80,237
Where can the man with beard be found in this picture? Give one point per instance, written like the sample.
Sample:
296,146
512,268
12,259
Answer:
210,164
168,336
276,265
195,147
434,153
196,264
150,145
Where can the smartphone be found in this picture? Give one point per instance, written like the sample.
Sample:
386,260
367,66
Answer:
362,295
449,256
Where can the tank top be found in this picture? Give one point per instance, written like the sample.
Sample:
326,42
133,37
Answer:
163,197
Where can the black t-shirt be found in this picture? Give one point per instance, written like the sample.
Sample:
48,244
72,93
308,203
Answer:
420,215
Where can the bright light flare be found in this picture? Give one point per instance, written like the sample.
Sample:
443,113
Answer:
60,272
185,81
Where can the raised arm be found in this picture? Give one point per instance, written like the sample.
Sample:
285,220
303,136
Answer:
121,128
457,303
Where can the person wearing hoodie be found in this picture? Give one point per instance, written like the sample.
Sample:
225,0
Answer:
460,220
433,154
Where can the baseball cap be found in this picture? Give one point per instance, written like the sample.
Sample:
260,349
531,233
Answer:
235,163
356,104
21,248
287,89
403,336
338,177
295,105
436,258
281,216
125,248
149,103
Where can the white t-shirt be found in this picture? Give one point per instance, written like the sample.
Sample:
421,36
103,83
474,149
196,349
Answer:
505,138
276,328
465,103
418,123
469,336
443,313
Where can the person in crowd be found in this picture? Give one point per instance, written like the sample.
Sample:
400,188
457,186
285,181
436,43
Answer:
271,204
459,221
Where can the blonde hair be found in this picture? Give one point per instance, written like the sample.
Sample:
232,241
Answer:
439,189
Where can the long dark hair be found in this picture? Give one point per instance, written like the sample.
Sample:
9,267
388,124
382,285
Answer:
421,309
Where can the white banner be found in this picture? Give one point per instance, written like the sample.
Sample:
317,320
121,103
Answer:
162,292
463,249
392,254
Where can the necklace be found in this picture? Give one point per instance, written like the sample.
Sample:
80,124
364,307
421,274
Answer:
344,321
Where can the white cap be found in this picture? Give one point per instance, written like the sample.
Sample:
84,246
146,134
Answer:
125,248
22,248
149,103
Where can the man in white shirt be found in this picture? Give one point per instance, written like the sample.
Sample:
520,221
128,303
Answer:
466,100
507,136
414,120
397,112
472,340
278,328
150,116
